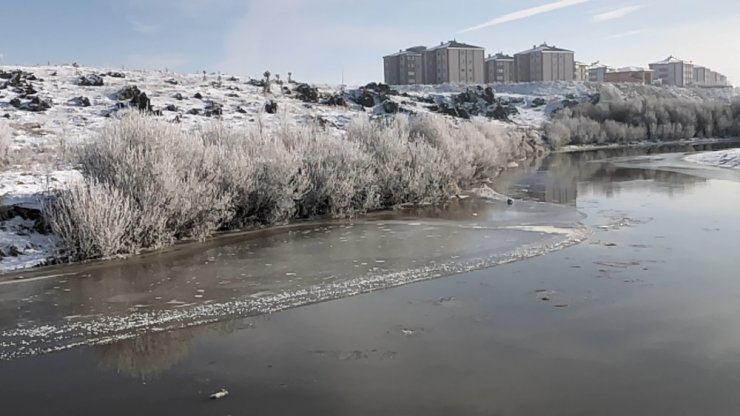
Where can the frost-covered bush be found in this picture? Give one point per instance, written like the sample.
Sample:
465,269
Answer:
4,143
93,220
652,117
166,173
167,184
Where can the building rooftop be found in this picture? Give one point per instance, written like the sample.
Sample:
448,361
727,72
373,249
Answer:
454,44
409,52
500,56
544,48
597,65
670,60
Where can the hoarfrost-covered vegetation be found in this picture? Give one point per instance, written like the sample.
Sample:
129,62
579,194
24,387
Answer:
148,183
649,114
4,143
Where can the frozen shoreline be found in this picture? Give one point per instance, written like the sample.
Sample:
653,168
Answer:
729,158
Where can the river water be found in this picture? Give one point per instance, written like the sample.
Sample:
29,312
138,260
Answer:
639,318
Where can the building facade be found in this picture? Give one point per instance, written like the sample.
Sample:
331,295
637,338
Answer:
404,67
544,63
499,68
630,74
706,77
597,72
454,62
581,71
673,71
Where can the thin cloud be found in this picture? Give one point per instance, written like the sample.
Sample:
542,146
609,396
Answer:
626,34
523,14
142,28
616,14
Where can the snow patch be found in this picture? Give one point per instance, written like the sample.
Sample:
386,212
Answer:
723,159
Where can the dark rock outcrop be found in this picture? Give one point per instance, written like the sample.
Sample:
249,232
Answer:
80,101
335,100
473,101
213,109
116,74
128,92
380,88
391,107
365,98
34,104
141,102
307,93
271,107
90,80
538,102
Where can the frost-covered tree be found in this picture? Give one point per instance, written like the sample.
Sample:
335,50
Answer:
267,82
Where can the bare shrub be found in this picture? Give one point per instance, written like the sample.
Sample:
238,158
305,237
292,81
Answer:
5,134
165,172
93,220
171,185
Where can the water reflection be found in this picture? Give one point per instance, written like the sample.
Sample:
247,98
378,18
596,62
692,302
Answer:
146,356
559,177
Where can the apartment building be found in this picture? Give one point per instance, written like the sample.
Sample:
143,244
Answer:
673,71
706,77
581,71
597,72
454,62
404,67
544,63
629,74
499,68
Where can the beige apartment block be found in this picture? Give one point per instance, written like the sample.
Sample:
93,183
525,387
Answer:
673,71
544,63
404,67
454,62
581,71
706,77
500,68
597,72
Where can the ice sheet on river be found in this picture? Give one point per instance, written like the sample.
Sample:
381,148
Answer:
271,270
723,158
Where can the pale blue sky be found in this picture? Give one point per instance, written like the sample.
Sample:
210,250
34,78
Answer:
318,39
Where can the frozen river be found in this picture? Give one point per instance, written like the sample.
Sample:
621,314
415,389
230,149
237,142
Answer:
640,318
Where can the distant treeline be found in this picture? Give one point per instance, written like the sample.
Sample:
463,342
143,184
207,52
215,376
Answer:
649,118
